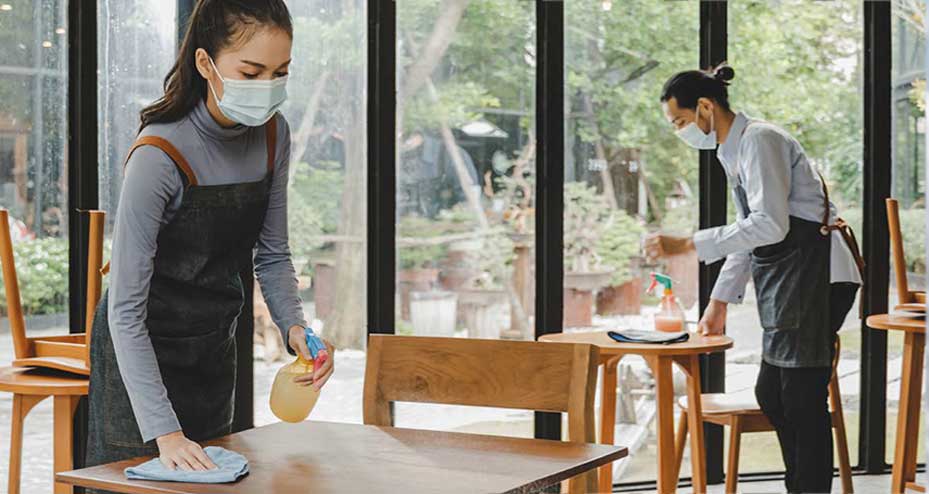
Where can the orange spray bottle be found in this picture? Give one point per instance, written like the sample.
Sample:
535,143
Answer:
670,316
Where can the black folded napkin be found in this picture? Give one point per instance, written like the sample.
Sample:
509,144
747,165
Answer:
653,337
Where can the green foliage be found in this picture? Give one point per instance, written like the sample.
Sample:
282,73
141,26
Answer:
42,271
313,207
585,216
620,242
494,261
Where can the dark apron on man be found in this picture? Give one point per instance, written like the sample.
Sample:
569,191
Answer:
194,302
792,279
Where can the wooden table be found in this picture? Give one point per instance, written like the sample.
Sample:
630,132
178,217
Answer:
914,345
323,457
660,358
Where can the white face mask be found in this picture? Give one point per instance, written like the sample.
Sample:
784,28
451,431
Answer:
250,103
695,138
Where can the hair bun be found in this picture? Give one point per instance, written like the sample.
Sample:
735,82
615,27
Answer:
723,72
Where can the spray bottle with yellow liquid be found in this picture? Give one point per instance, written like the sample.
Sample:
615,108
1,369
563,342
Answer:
670,316
292,402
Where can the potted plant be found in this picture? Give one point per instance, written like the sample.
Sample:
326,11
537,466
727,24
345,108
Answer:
586,214
619,248
417,258
483,297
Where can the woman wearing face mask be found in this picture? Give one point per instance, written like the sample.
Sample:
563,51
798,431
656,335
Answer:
787,239
205,186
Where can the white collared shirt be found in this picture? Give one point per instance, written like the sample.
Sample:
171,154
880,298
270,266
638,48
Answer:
779,182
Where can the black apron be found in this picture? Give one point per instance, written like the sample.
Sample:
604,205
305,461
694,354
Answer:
194,302
792,287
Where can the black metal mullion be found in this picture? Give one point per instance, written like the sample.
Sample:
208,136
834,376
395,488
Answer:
877,168
713,198
382,165
549,225
82,171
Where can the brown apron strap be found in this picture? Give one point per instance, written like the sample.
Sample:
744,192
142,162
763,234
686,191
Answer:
271,139
843,228
168,149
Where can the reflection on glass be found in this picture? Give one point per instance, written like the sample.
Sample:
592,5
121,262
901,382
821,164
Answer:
798,65
465,176
33,148
327,200
908,185
626,174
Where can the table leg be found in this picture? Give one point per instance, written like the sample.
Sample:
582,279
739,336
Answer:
608,418
691,366
65,406
904,468
664,404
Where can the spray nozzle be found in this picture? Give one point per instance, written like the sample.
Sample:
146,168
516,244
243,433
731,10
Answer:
316,346
662,279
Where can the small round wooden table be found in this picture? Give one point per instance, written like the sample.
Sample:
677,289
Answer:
660,358
911,383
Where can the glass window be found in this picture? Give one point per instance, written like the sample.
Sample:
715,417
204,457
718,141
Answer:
135,49
798,65
465,183
327,113
33,148
626,174
907,181
34,183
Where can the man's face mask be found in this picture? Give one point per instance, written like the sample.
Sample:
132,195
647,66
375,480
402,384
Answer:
696,138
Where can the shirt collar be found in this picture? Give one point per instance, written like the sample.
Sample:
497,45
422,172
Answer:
206,124
728,151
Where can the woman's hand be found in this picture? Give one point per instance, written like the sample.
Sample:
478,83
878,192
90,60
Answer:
321,373
713,321
658,246
176,451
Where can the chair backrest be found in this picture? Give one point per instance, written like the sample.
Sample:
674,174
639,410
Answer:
896,252
22,347
11,285
94,273
526,375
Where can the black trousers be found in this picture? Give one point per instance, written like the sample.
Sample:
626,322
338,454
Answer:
796,401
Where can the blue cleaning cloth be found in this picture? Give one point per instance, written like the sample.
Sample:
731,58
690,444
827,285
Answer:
230,467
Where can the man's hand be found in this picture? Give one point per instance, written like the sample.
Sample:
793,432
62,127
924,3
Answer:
658,245
713,321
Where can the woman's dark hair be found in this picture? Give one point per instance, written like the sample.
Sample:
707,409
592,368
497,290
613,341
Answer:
213,26
689,86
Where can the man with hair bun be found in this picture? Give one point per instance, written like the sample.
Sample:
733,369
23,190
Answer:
789,240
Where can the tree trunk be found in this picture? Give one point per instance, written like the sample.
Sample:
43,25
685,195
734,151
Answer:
301,138
346,325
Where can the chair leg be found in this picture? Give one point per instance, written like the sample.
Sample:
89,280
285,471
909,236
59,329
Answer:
735,439
22,404
680,439
841,439
64,438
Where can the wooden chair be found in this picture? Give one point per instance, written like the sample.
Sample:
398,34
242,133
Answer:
908,299
68,353
489,373
741,413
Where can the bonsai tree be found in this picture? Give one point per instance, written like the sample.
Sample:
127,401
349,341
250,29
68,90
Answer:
618,244
586,214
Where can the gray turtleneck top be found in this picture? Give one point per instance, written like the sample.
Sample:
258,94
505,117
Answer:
151,195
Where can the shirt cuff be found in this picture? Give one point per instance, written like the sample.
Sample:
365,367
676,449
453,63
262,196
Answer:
285,330
156,428
705,243
731,294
